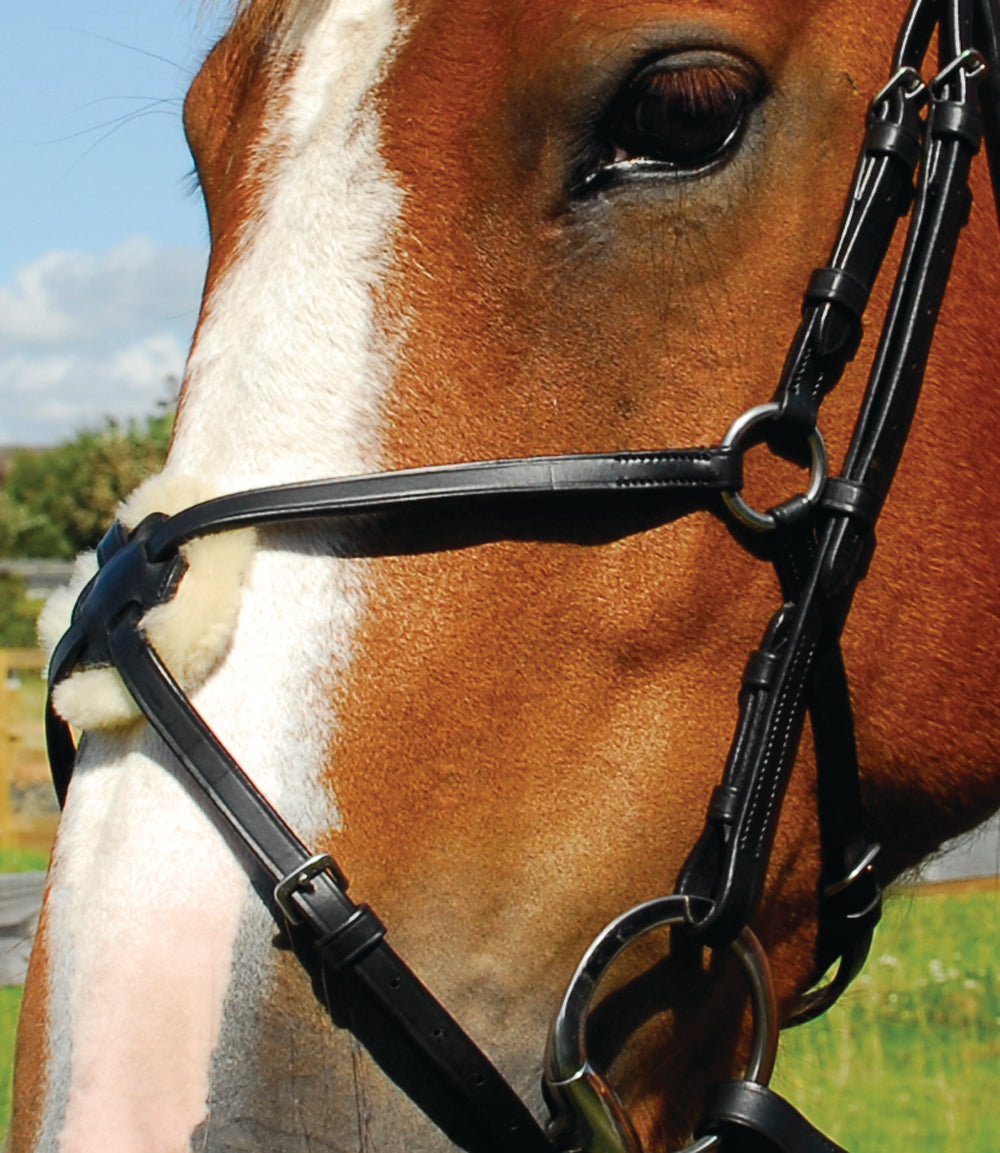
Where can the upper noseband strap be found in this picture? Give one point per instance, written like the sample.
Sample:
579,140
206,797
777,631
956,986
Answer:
435,491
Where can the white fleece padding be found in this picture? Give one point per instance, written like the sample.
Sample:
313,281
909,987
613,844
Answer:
55,616
191,632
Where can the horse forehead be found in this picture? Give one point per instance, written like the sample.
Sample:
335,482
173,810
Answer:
544,24
484,71
490,44
480,41
474,28
482,74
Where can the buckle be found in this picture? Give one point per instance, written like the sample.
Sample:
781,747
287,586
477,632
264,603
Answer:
907,78
860,869
299,880
971,62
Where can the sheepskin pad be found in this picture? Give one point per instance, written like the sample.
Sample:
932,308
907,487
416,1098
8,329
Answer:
191,632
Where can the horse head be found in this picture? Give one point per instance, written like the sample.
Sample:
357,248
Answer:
446,232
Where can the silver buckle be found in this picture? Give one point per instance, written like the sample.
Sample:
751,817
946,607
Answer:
907,78
300,879
861,867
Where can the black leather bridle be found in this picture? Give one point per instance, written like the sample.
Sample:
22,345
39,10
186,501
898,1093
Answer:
920,140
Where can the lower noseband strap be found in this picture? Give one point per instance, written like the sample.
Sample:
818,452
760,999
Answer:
751,1118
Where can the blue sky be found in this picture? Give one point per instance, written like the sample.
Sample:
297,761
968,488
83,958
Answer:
103,244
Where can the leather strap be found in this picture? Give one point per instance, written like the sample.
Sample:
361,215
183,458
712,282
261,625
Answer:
830,330
819,574
552,481
467,1097
756,1119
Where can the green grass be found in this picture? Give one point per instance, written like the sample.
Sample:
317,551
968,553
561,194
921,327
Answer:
10,1006
22,860
909,1060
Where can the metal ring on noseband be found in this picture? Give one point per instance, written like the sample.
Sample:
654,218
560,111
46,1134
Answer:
734,438
588,1113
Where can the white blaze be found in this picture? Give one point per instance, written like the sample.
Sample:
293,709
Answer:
285,384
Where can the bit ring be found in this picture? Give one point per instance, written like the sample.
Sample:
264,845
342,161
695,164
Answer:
587,1112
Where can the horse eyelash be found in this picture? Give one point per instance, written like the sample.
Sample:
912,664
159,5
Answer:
702,88
708,88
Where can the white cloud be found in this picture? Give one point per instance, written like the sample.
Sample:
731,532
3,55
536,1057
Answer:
47,397
155,358
88,336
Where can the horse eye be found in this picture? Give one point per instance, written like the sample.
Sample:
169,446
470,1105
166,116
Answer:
679,117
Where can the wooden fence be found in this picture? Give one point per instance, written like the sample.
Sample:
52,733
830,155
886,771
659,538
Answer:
28,810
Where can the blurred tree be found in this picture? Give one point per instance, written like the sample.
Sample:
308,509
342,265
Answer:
58,501
26,533
18,613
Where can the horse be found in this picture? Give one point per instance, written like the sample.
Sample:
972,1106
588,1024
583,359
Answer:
458,231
